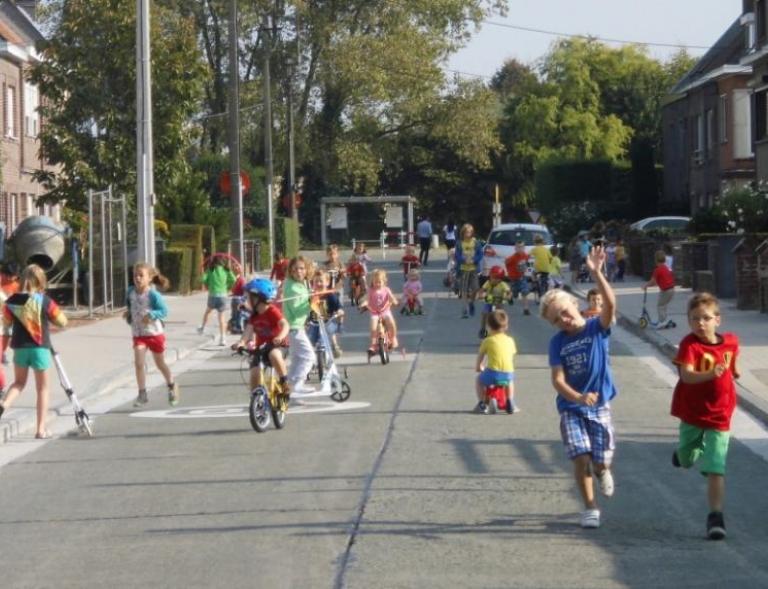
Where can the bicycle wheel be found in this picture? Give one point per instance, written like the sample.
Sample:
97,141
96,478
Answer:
340,389
259,410
383,350
279,410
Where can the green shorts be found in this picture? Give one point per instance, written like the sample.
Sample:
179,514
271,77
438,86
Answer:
34,358
709,445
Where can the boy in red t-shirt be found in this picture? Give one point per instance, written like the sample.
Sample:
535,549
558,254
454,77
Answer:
410,261
516,265
704,401
269,328
663,278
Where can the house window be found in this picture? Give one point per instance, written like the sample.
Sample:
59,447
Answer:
710,120
722,119
10,111
760,115
741,121
31,116
698,139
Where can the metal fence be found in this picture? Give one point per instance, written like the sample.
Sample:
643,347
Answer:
108,271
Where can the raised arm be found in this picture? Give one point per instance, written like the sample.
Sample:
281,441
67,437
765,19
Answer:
595,261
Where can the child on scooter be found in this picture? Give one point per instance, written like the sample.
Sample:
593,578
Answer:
328,309
494,293
379,301
409,261
663,278
497,353
412,294
335,268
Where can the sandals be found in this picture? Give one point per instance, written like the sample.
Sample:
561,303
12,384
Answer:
46,435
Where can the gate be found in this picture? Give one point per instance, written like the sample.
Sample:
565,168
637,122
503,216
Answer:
107,251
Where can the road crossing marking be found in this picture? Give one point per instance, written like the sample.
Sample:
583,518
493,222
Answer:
240,411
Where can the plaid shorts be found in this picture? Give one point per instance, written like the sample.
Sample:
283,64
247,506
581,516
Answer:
589,433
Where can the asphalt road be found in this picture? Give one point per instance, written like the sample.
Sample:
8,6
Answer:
401,487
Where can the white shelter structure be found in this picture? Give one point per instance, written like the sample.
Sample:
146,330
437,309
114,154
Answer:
335,217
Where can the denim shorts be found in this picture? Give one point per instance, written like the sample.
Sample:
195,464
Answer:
590,432
218,303
520,287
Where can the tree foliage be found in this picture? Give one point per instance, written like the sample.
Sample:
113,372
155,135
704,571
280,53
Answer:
88,80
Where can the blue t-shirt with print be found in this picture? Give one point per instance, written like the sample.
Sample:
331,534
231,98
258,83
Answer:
586,363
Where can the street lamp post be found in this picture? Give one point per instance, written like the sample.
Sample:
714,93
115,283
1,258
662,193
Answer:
268,134
145,185
236,192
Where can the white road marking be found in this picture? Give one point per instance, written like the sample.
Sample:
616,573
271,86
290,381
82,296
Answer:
217,411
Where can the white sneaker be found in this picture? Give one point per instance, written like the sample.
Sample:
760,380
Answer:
200,329
222,342
605,482
590,518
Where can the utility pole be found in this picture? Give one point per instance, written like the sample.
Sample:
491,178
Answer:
267,30
145,185
291,158
236,192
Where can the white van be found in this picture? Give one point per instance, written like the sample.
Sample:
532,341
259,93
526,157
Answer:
502,239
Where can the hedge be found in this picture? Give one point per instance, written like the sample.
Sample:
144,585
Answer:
563,182
176,264
287,236
191,236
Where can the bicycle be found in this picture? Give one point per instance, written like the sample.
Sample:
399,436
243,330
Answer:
382,342
356,289
411,306
269,401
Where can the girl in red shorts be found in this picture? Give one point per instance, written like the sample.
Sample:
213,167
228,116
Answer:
146,310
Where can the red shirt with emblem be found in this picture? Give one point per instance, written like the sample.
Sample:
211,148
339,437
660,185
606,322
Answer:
709,404
516,265
266,325
663,277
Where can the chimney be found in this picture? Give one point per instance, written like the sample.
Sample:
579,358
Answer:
29,6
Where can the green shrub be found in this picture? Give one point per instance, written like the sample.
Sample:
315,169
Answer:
287,236
191,236
175,263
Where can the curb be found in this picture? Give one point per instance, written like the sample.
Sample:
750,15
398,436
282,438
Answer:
26,419
750,402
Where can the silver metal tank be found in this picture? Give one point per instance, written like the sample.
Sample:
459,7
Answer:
39,240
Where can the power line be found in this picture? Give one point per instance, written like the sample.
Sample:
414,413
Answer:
580,36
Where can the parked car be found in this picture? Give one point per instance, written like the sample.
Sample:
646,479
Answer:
671,224
502,239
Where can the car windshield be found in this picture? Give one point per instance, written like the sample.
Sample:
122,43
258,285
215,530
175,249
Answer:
512,236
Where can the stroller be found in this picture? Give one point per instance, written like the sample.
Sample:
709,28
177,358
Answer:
82,420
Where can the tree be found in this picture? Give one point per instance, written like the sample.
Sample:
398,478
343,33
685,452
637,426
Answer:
87,78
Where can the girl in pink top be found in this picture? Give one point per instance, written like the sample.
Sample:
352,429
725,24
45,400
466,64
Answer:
412,290
379,301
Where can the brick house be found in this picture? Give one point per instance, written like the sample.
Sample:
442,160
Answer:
19,146
755,21
706,121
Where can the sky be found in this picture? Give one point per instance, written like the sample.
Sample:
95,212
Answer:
685,22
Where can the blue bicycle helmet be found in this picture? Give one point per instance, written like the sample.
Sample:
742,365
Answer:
261,286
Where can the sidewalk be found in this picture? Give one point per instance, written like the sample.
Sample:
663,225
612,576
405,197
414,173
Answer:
750,326
97,355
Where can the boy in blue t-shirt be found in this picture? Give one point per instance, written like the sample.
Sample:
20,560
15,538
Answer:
581,375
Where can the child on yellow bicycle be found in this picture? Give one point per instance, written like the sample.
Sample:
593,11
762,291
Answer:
270,330
379,302
494,294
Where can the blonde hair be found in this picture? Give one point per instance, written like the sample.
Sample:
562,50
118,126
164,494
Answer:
33,279
380,275
155,277
660,256
554,296
320,274
466,227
